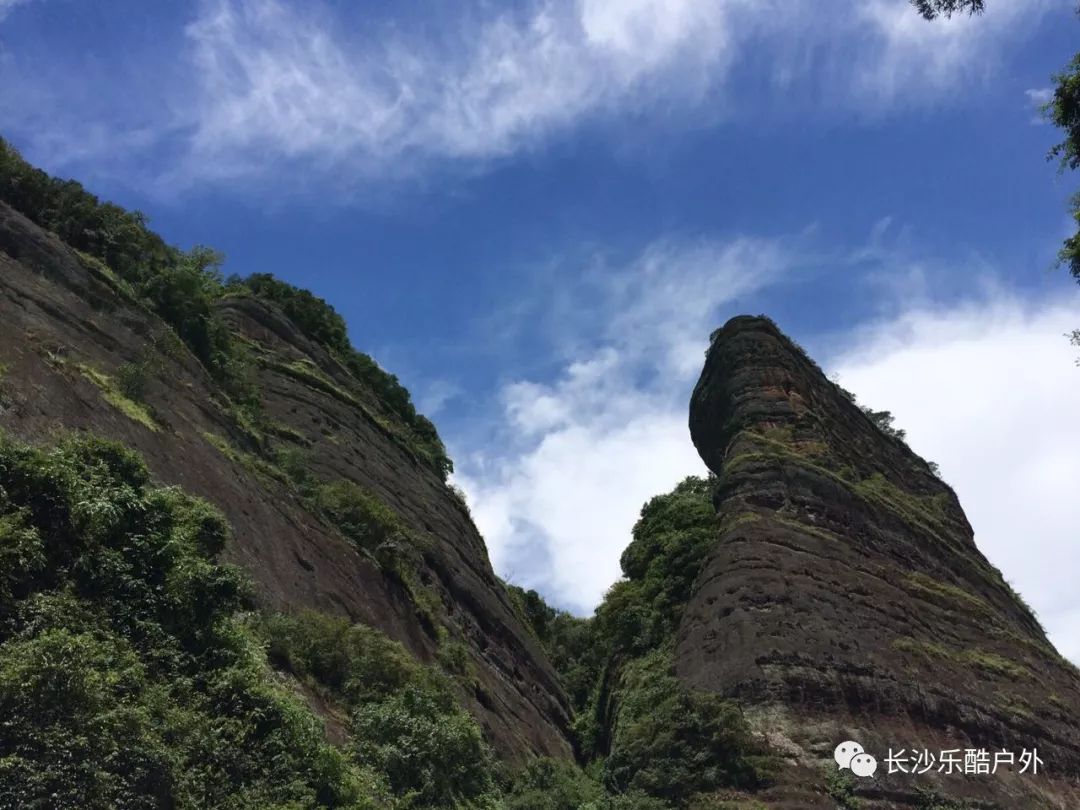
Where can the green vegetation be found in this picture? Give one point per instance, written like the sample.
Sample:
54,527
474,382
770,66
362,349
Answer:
932,9
932,800
131,380
671,742
126,679
927,511
840,785
984,660
362,517
404,720
134,674
569,642
950,593
548,784
116,393
1063,110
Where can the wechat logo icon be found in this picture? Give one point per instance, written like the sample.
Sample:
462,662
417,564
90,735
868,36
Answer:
853,756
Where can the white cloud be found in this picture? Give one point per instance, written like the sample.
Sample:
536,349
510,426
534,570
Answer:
564,479
265,89
989,390
278,80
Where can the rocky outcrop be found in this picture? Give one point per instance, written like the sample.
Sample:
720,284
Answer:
845,597
67,329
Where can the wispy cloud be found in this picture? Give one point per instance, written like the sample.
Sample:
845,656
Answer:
280,80
261,86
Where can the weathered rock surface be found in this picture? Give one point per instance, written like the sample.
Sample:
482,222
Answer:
65,322
846,598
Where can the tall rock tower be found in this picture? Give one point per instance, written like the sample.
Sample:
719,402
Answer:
846,600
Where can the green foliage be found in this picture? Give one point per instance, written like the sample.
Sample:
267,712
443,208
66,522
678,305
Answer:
984,661
182,287
671,742
183,294
131,380
317,319
1063,110
931,9
840,785
884,421
552,784
932,800
125,680
362,517
117,237
670,541
116,394
431,751
453,656
406,723
354,663
664,743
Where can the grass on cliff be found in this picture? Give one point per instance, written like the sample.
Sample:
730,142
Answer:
115,392
984,660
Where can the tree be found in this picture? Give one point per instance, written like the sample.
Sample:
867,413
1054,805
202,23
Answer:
932,9
1063,110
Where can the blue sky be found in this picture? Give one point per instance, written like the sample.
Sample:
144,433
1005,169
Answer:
535,213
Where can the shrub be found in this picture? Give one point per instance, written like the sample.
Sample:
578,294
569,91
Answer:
361,516
671,742
930,799
431,751
406,724
552,784
354,662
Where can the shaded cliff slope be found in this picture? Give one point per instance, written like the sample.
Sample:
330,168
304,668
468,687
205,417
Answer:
845,598
80,351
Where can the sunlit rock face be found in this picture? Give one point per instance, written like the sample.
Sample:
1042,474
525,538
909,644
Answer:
845,598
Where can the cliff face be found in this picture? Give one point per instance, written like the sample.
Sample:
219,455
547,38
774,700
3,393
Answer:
845,597
68,330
